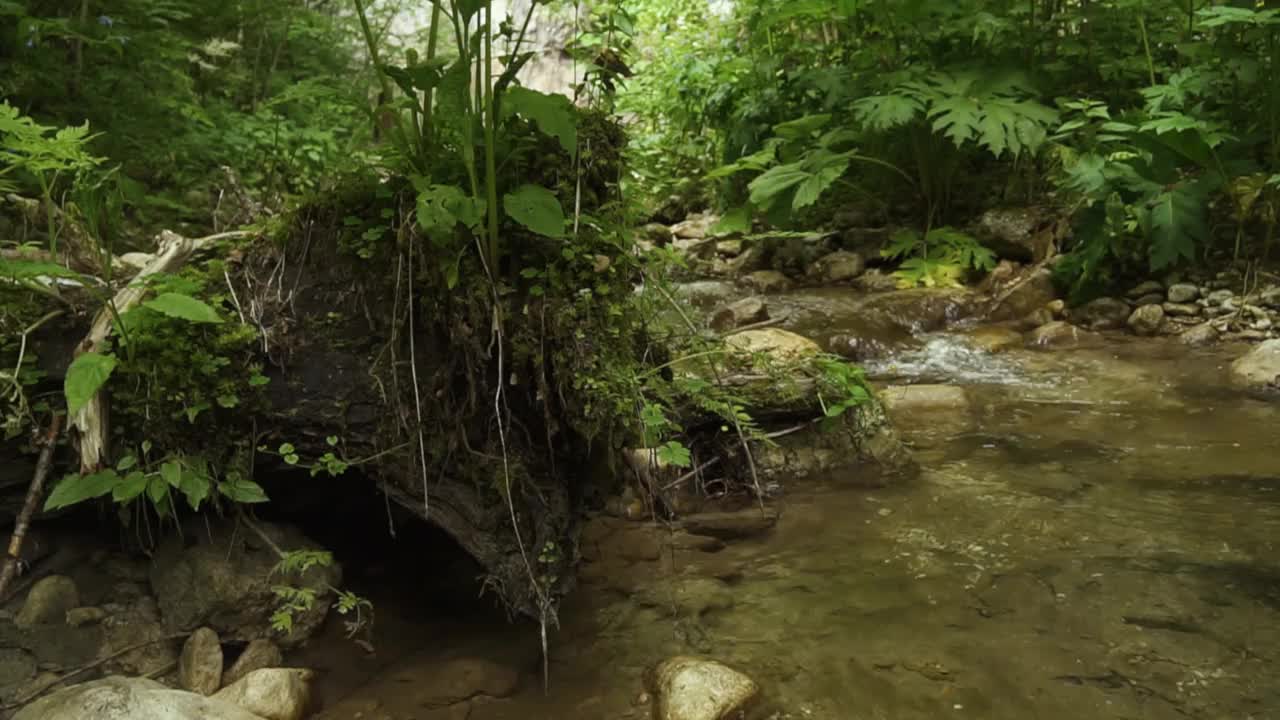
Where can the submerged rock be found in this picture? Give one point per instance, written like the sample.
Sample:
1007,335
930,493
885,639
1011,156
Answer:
689,688
902,399
200,666
1147,320
48,601
1059,335
119,698
740,525
461,679
1203,334
766,281
1258,370
741,312
994,338
272,693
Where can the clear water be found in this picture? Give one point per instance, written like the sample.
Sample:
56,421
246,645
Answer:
1095,537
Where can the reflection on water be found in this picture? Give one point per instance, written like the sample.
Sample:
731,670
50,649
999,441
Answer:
1099,541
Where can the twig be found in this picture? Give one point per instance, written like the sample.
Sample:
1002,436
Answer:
691,474
756,326
34,492
90,666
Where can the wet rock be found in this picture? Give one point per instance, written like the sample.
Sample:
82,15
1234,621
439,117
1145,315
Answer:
1152,299
200,665
1184,293
1102,314
837,267
136,622
766,281
257,655
271,693
119,698
920,309
900,400
1270,297
79,617
729,248
781,345
1182,309
1058,308
871,336
994,338
741,312
1034,293
1043,316
1258,370
225,581
656,234
705,293
17,667
48,601
1203,334
1147,320
689,688
688,597
1016,233
751,259
740,525
875,281
462,679
696,227
1150,287
1061,335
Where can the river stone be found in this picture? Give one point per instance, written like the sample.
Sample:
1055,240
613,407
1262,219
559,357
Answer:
49,600
1203,334
1150,287
17,667
1059,335
766,281
739,525
1184,293
656,234
225,581
200,665
1035,292
259,654
689,688
1147,320
81,616
1270,297
729,248
740,312
1182,309
1102,314
459,680
995,338
838,266
1152,299
136,621
1259,369
271,693
120,698
1219,297
751,259
696,227
781,345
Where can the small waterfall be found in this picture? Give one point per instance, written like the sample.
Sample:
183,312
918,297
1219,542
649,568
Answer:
948,359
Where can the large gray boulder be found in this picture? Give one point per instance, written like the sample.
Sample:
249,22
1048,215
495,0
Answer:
119,698
689,688
1258,371
225,581
271,693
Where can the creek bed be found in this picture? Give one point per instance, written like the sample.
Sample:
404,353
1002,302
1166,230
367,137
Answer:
1093,536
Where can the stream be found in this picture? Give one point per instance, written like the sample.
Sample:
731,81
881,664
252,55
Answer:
1094,535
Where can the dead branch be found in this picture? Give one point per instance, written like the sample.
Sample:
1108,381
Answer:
34,492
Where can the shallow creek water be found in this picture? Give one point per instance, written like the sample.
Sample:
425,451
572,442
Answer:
1094,536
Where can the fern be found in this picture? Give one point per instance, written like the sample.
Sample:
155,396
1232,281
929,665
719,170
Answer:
940,259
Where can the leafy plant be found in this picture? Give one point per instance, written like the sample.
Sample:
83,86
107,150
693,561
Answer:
939,258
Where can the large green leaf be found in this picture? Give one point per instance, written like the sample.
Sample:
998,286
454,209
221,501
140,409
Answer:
238,489
553,114
30,269
766,188
183,307
536,208
87,374
883,112
812,187
130,487
78,488
1177,225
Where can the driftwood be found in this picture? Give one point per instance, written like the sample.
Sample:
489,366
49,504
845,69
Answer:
91,421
